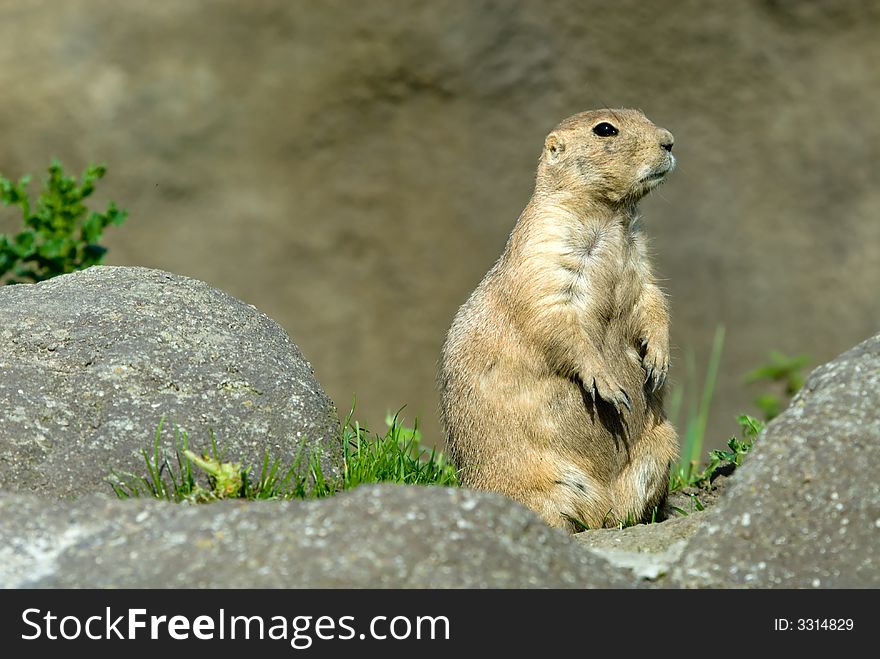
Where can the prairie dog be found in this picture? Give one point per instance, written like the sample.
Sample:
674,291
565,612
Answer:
552,374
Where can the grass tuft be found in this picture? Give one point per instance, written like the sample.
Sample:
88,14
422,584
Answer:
697,416
396,457
629,520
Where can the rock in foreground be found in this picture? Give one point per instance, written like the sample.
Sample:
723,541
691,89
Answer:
804,510
648,550
381,536
90,363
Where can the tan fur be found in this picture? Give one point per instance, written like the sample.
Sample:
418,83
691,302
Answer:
552,374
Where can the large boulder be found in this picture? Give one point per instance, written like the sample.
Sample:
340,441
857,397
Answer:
378,536
804,509
91,362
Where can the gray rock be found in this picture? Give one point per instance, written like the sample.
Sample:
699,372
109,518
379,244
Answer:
648,550
91,362
375,536
804,509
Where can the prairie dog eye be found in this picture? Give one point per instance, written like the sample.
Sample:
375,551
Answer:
605,129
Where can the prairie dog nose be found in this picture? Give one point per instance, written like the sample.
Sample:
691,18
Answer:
666,140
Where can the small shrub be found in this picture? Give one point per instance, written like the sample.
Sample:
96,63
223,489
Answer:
59,235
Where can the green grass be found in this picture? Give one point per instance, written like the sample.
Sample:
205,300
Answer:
396,457
630,520
695,506
779,371
687,473
697,413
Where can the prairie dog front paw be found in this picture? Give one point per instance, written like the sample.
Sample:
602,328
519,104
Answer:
656,359
599,381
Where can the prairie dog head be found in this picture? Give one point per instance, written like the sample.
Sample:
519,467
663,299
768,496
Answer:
609,156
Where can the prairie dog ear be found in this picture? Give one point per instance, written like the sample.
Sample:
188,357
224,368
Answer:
554,146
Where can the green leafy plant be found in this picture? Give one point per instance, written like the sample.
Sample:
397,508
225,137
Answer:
785,375
226,478
736,449
60,235
395,457
720,458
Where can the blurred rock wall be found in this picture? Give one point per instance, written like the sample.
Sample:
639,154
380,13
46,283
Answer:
354,168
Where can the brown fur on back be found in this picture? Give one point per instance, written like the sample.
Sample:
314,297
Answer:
552,374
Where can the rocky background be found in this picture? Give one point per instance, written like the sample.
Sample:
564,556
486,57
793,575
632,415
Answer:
353,169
